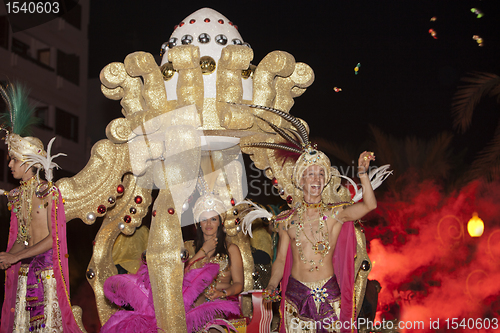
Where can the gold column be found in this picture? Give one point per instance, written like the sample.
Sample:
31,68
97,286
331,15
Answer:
165,266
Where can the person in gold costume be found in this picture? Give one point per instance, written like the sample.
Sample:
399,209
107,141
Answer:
211,247
212,279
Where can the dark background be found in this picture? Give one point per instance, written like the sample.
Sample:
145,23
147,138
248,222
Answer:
407,78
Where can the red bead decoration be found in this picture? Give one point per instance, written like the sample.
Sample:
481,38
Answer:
232,202
230,23
138,199
289,199
181,24
207,20
237,221
127,218
176,26
120,189
171,211
236,27
275,181
192,21
93,242
101,209
154,212
221,21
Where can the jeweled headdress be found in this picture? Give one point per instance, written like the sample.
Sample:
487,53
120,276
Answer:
16,123
311,157
208,202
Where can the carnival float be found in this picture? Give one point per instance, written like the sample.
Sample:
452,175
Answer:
187,114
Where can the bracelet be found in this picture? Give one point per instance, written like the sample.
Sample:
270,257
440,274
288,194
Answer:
204,251
361,173
273,296
224,291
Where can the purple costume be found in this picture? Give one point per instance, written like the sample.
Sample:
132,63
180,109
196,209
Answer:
306,306
57,259
343,263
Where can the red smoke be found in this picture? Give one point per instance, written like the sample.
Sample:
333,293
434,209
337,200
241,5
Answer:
426,262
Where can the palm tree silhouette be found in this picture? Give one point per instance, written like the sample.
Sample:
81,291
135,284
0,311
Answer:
412,159
464,102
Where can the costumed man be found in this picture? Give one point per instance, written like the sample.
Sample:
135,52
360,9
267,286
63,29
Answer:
317,247
309,285
36,264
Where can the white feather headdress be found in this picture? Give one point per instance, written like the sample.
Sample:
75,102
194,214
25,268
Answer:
46,162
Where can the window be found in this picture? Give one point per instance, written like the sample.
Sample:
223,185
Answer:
33,50
66,125
43,56
68,66
20,48
42,113
4,32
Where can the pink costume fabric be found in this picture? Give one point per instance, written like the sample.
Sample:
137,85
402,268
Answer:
343,263
134,290
60,268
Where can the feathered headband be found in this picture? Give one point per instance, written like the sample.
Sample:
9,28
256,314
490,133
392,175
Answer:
17,123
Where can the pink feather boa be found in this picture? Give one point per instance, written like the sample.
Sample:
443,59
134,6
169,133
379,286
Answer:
130,321
135,290
207,312
195,281
131,289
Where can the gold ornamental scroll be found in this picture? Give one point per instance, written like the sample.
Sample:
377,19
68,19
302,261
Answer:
234,59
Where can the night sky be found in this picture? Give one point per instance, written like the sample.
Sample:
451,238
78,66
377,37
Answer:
407,78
